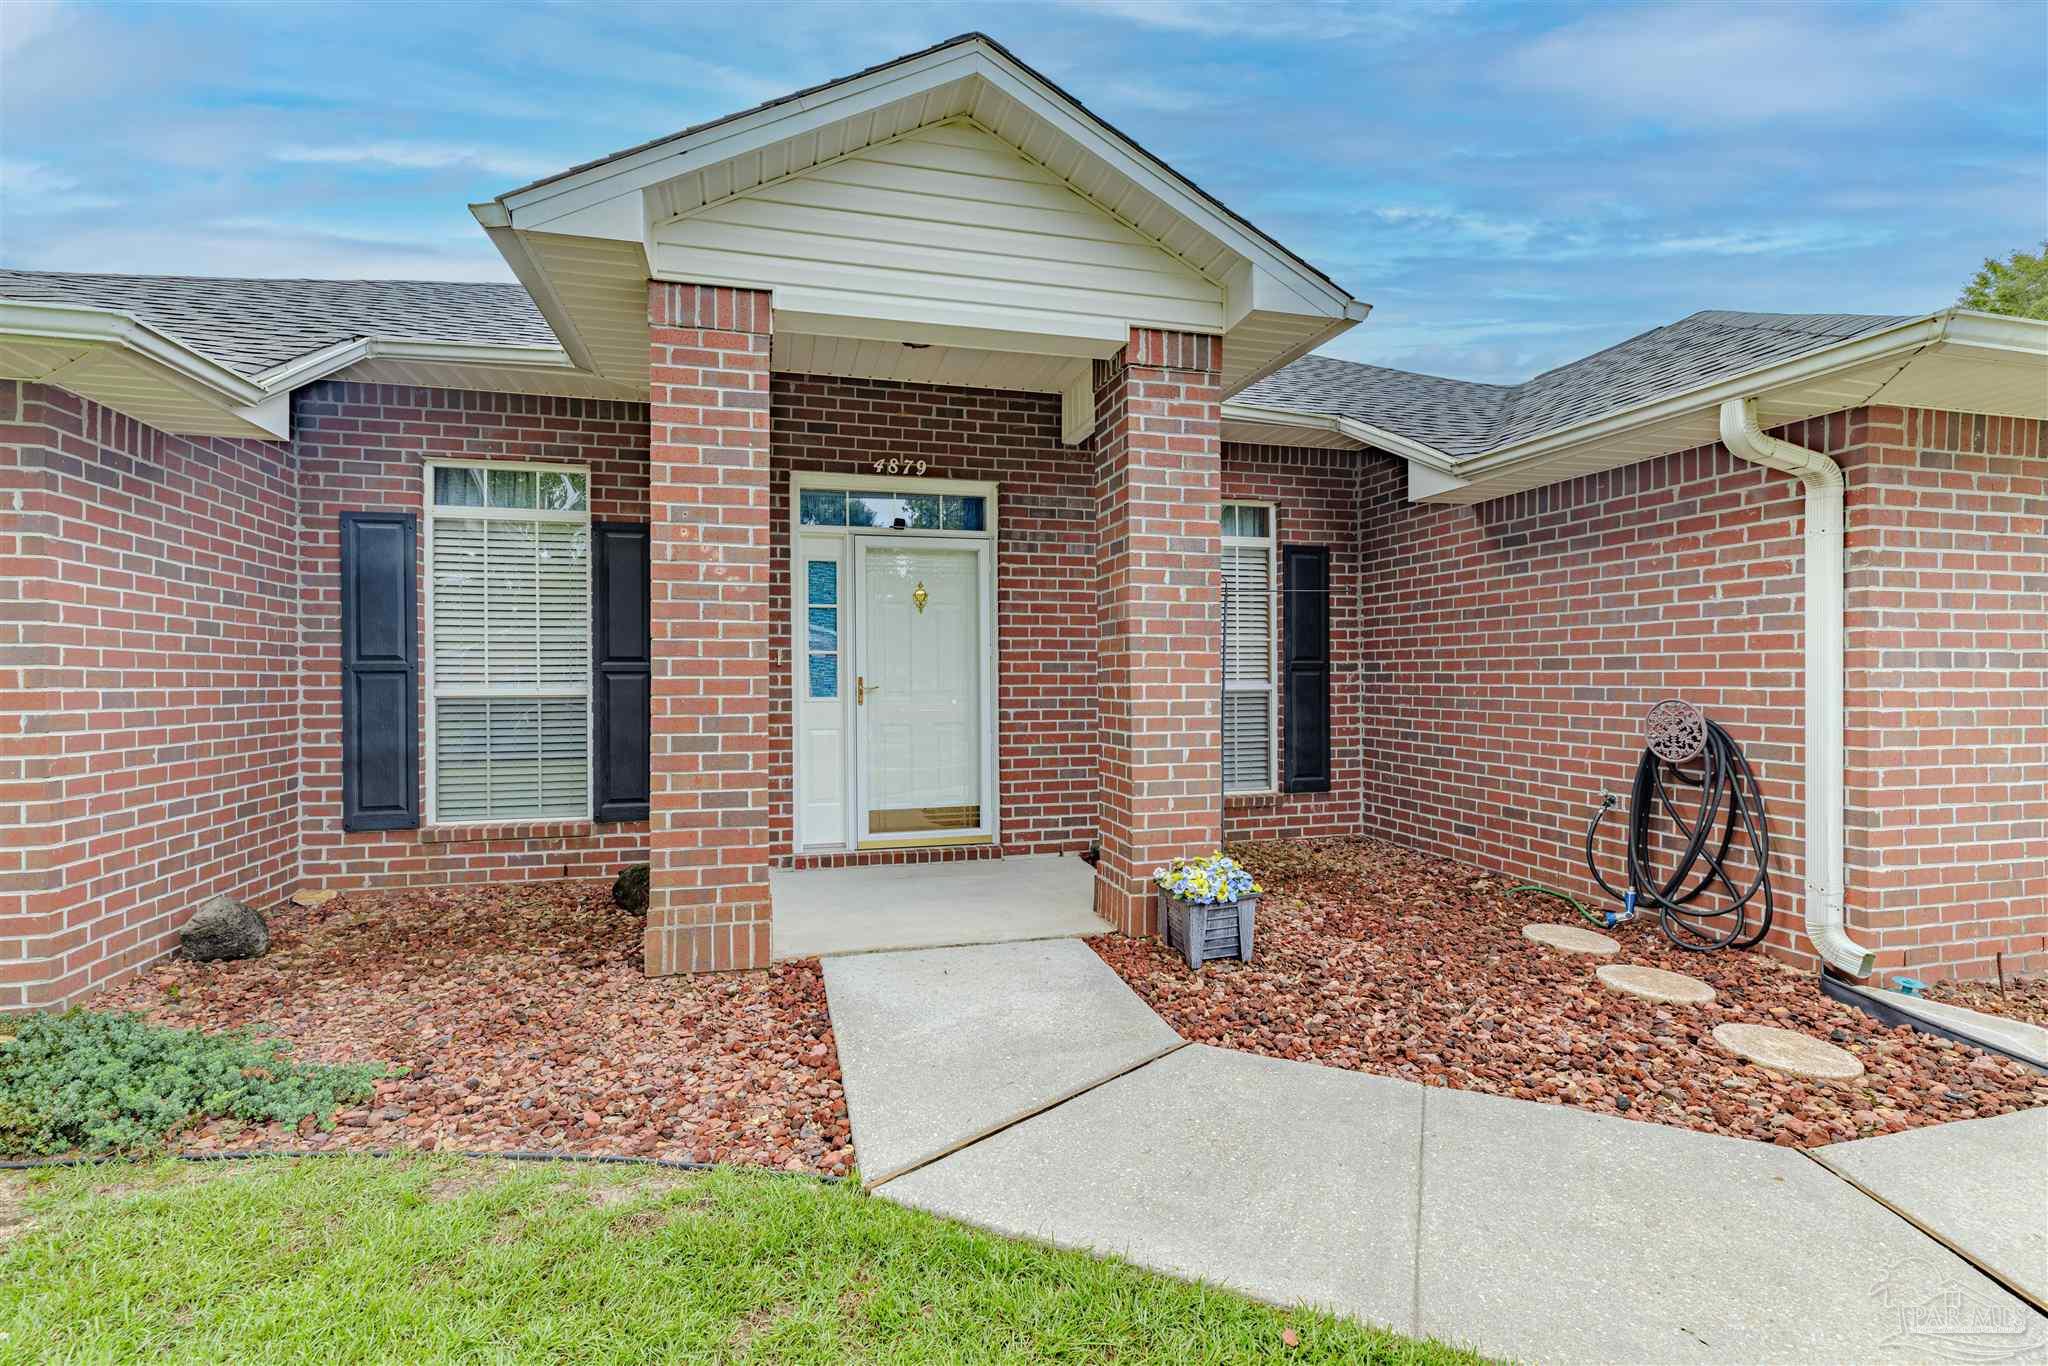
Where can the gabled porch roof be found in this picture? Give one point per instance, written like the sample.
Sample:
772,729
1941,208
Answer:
953,200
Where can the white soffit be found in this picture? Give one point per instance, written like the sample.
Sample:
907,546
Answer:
726,204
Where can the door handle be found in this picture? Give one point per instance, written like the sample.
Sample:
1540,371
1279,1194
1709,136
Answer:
861,689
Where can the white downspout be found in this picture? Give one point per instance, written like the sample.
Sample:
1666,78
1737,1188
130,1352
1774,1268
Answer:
1825,522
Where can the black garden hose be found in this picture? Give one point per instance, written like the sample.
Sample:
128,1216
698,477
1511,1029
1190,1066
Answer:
1726,784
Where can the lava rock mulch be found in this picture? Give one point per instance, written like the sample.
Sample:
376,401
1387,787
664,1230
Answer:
2023,998
523,1021
1380,959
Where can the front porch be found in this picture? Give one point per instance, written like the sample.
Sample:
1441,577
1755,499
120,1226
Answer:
825,912
948,221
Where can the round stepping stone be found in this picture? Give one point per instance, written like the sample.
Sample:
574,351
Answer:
1787,1050
1655,984
1571,939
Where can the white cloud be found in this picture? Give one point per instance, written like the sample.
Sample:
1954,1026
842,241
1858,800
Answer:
1215,18
1719,65
31,187
24,20
249,246
416,156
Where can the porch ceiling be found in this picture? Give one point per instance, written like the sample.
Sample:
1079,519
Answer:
953,199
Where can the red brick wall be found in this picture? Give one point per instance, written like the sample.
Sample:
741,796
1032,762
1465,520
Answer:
1158,456
1045,592
149,659
1512,648
364,446
708,906
1947,688
1316,498
1515,646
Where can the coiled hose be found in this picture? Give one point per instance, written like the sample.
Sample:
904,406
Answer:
1725,784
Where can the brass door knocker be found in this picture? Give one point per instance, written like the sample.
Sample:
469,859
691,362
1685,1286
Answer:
920,597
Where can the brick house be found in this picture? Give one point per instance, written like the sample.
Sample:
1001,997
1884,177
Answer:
914,469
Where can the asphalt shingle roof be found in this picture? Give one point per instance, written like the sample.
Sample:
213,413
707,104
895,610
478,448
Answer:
1462,419
251,326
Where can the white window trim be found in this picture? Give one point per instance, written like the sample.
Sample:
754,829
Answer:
990,492
1270,542
582,518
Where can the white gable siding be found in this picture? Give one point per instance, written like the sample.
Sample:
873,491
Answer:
947,225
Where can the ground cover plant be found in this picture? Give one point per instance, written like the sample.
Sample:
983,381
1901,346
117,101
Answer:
1381,959
95,1082
440,1259
518,1017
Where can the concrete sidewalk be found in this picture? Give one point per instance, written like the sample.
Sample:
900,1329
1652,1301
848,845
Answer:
1530,1231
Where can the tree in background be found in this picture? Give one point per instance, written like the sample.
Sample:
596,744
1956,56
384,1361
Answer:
2018,286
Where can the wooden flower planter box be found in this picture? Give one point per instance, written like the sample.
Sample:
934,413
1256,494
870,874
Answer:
1205,932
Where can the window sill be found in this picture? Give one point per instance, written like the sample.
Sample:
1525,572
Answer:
555,829
1269,797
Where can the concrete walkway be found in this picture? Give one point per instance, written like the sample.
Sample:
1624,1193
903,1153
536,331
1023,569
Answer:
820,912
1529,1231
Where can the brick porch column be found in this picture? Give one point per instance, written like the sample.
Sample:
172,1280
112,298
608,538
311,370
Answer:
707,906
1158,448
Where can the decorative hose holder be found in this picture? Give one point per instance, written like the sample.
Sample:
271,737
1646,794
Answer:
1694,774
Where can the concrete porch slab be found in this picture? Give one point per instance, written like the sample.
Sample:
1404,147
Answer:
943,1046
1289,1182
1980,1185
824,911
1550,1234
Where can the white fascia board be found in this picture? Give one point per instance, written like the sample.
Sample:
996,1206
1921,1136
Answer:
113,327
1363,433
315,365
543,203
1996,332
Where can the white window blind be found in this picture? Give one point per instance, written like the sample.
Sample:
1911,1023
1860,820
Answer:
1249,614
509,643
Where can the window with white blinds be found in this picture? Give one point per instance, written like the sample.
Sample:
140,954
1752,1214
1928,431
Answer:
508,643
1250,610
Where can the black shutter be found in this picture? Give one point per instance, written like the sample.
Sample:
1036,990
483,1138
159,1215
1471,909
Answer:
622,667
1305,645
380,746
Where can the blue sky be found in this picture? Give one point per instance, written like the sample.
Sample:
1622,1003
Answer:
1511,185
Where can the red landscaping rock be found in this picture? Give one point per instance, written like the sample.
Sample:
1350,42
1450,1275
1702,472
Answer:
2024,998
1380,959
523,1021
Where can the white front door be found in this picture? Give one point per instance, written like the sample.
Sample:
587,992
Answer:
922,664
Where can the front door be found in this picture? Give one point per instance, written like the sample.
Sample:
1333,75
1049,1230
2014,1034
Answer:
921,678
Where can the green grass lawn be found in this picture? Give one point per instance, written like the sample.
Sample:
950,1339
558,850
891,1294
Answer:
368,1259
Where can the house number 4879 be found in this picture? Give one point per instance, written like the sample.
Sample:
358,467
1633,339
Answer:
900,466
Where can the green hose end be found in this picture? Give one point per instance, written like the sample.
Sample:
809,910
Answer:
1581,907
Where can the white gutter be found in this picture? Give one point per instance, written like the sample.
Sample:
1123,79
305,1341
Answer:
1825,525
264,400
88,323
